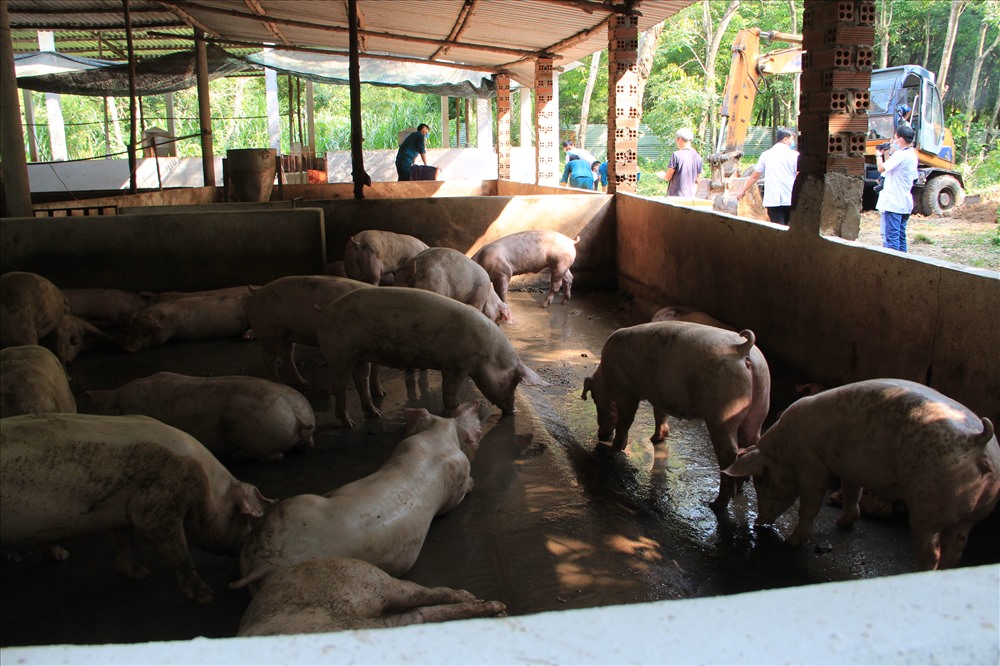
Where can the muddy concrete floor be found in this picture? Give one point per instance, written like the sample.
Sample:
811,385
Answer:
552,524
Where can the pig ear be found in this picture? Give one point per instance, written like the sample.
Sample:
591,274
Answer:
529,377
750,463
413,416
471,407
252,502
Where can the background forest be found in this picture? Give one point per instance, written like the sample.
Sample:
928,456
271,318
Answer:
684,66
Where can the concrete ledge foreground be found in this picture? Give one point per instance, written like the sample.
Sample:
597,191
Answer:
949,617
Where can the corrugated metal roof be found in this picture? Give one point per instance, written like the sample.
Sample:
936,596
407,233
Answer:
503,35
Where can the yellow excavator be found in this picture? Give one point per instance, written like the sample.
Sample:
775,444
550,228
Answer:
938,189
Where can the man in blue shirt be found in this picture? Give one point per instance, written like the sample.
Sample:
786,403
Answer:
412,146
578,173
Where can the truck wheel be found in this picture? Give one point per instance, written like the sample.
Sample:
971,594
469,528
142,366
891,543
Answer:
941,196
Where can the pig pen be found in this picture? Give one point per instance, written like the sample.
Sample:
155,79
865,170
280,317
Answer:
551,524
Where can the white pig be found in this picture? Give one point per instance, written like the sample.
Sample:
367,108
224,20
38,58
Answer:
382,518
450,273
370,255
689,371
189,318
285,312
34,311
901,440
108,308
684,313
530,252
68,475
417,329
33,381
339,593
247,415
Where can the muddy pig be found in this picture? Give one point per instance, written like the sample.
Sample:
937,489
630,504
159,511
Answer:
285,312
107,308
450,273
370,255
417,329
246,415
530,252
68,475
33,381
683,313
382,518
339,593
189,318
900,439
688,371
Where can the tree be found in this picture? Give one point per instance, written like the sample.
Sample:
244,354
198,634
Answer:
647,50
595,66
713,40
883,21
982,54
957,7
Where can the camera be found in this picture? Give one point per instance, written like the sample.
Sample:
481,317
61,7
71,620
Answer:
883,146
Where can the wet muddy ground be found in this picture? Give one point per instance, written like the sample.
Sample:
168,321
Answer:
552,524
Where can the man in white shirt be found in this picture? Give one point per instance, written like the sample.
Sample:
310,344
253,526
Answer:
895,201
778,165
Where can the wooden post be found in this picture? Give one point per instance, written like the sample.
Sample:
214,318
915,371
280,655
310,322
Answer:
204,110
361,177
445,141
311,117
466,144
29,121
133,163
17,192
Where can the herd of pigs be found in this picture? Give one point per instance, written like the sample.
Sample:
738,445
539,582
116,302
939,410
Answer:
146,466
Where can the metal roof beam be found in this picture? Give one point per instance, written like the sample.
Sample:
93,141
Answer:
56,27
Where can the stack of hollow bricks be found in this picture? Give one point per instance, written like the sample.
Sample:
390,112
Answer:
503,126
837,39
545,123
623,130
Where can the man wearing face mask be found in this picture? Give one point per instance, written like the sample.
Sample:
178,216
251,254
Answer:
778,165
895,201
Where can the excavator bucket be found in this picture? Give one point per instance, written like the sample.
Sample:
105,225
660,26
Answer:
749,206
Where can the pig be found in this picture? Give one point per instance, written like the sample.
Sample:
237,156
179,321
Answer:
33,311
688,370
339,593
68,475
902,440
107,308
450,273
285,312
530,252
417,329
370,255
189,318
224,291
684,313
33,381
382,518
246,415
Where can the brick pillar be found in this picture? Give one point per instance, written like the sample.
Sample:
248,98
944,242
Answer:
546,126
503,126
837,37
623,103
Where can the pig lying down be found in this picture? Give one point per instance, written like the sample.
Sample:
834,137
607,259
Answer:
285,312
190,318
33,381
684,313
108,308
450,273
370,256
416,329
688,371
245,415
530,252
900,439
384,517
336,593
68,475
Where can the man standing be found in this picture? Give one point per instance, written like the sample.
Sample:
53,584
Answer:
412,146
778,165
582,153
895,201
684,169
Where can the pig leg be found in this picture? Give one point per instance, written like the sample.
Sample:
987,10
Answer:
270,351
126,559
851,495
662,427
555,284
286,351
169,539
723,436
567,285
953,540
928,543
444,613
375,381
450,385
810,501
627,407
501,283
362,373
338,386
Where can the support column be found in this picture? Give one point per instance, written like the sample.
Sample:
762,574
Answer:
168,103
273,111
503,126
837,40
524,102
623,104
484,123
17,193
29,122
546,126
311,118
445,137
204,110
53,107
